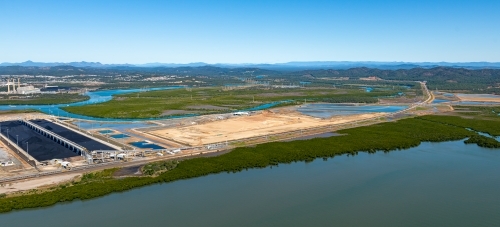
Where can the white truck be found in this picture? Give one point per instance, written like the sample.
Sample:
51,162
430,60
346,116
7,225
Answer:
7,163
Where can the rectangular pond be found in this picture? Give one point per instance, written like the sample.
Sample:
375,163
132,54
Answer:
106,131
326,110
435,101
145,144
120,136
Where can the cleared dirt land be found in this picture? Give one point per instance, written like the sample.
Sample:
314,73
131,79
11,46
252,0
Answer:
479,97
37,183
264,123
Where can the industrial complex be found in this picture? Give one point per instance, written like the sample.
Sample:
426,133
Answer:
15,88
38,144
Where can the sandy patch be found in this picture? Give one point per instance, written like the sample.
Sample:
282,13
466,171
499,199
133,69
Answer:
37,183
250,126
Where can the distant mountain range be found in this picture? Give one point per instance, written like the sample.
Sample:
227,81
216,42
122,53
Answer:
277,66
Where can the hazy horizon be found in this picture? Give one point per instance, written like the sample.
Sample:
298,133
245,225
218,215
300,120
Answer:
261,63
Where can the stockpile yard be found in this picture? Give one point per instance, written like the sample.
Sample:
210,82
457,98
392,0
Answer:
73,136
39,147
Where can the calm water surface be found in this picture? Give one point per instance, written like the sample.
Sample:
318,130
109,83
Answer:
435,184
440,101
326,110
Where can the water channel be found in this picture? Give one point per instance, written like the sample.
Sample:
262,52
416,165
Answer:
95,97
315,110
434,184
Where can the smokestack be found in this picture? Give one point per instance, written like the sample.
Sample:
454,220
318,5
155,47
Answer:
18,83
8,86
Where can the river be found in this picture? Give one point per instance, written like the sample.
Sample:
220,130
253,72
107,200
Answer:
434,184
94,98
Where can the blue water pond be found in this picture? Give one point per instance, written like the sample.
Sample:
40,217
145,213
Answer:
120,136
145,144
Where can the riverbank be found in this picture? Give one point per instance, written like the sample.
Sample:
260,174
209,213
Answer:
381,137
421,186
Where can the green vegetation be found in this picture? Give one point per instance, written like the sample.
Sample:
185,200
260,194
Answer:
442,78
389,136
483,141
18,111
155,104
487,126
156,168
100,176
41,99
483,112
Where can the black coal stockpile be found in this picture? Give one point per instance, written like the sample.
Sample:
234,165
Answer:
75,137
38,146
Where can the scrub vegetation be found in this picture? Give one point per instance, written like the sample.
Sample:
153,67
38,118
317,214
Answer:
483,141
41,99
212,100
385,137
2,112
442,78
156,168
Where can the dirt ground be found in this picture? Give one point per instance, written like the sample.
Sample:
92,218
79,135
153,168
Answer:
37,183
261,124
478,97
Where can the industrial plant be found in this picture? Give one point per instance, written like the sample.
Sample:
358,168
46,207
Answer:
28,89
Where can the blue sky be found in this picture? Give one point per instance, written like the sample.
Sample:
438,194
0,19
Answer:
254,31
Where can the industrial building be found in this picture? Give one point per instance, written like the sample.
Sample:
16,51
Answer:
13,89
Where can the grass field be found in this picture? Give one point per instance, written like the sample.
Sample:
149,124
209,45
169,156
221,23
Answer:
218,100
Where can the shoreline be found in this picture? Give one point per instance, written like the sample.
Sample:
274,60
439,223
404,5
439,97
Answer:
390,136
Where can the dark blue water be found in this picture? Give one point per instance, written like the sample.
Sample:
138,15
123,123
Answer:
120,136
144,144
435,184
106,131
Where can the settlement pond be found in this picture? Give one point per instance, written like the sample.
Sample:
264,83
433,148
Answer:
326,110
146,144
434,184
